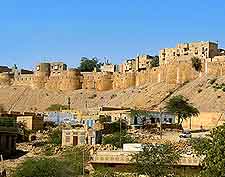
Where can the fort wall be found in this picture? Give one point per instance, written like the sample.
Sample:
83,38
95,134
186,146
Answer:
177,72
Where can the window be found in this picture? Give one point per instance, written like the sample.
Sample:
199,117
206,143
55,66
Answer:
67,139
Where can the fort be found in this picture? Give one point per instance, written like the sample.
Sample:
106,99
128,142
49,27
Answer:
175,68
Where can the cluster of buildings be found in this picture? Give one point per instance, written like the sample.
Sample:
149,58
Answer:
175,67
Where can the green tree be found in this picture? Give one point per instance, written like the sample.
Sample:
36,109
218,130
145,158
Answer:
88,65
57,107
212,150
196,63
76,158
180,106
114,127
156,160
117,139
55,136
70,163
43,167
154,61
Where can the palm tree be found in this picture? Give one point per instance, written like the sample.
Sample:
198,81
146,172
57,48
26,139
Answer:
179,106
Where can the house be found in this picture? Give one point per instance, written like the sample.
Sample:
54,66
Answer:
78,136
31,121
8,134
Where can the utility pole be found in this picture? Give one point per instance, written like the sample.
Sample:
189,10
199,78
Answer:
160,115
190,123
120,132
83,163
69,103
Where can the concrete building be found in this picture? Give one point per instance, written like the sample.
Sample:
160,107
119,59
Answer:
116,114
108,68
31,121
130,65
143,62
184,52
78,136
8,134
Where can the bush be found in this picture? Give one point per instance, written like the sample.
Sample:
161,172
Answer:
196,63
57,107
115,138
70,163
43,167
55,136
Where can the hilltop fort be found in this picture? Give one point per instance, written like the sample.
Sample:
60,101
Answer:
175,68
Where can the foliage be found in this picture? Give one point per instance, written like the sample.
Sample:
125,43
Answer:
155,61
55,136
212,149
88,65
156,160
179,105
57,107
76,158
109,172
196,63
117,139
25,132
200,145
70,164
42,167
110,128
104,119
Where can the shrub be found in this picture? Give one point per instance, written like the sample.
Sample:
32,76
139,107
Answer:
55,136
196,63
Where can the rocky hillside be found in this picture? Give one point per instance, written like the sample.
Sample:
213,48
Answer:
205,93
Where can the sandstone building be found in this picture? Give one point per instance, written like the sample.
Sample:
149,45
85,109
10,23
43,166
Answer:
183,52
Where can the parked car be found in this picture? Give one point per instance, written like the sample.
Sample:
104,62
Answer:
185,134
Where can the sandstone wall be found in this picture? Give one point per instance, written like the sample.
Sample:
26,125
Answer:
206,120
124,80
24,79
70,80
104,82
174,73
88,80
5,79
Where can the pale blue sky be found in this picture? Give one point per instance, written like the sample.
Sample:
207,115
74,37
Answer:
32,31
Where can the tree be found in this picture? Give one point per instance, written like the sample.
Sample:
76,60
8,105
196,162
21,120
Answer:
154,61
196,63
57,107
88,65
156,160
117,139
212,149
114,127
179,105
70,163
55,136
42,167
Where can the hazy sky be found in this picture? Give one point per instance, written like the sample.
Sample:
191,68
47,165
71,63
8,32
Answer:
32,31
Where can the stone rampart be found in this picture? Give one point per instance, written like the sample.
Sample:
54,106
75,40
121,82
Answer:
69,80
